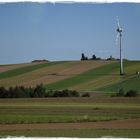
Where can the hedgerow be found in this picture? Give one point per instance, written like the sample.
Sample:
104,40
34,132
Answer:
34,92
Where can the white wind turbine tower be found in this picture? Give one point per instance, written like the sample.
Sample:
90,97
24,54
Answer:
119,30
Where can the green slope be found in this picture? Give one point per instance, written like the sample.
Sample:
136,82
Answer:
84,77
104,76
23,70
112,78
131,83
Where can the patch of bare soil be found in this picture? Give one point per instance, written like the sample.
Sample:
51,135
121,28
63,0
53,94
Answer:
115,124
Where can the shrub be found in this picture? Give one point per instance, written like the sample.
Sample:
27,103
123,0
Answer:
18,92
63,93
73,93
50,93
3,92
132,93
85,94
39,91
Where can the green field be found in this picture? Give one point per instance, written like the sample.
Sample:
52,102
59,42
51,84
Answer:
71,111
104,78
63,112
83,78
131,83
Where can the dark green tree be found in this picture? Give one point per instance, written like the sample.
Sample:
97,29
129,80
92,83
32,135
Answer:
83,56
93,57
39,91
132,93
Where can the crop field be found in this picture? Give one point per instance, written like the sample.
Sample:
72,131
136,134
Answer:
100,76
26,69
101,79
46,73
119,117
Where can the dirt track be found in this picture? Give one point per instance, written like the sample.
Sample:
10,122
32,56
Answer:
115,124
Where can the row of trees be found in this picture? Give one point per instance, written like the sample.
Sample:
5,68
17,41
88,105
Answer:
83,57
34,92
63,93
94,57
22,92
40,91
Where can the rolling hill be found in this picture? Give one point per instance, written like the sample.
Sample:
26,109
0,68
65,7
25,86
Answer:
100,76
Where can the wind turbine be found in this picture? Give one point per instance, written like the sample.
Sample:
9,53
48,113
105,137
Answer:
119,30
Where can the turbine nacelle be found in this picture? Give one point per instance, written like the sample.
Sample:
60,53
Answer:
119,29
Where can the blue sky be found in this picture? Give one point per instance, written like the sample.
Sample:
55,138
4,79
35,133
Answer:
60,31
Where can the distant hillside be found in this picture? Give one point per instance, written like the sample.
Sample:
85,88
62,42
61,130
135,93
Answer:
92,75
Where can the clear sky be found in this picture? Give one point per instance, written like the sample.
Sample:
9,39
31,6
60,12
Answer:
59,31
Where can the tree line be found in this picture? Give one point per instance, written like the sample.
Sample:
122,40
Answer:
40,91
83,57
129,93
35,92
94,57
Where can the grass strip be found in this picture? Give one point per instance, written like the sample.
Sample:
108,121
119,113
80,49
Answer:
73,105
64,118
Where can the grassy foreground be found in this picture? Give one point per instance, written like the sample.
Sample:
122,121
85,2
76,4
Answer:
69,110
22,111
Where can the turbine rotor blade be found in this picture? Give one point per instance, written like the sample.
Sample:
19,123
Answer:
118,22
